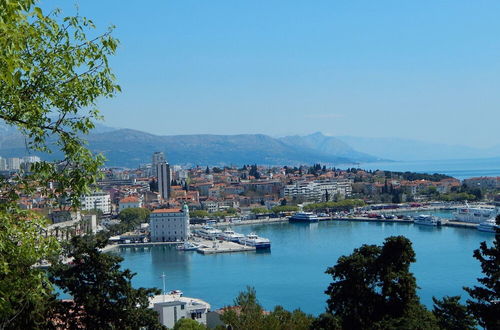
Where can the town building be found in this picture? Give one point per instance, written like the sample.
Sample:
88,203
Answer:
173,307
97,200
317,191
129,202
169,225
164,179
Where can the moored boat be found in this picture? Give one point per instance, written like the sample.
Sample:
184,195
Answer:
187,246
488,226
256,241
304,217
428,220
230,235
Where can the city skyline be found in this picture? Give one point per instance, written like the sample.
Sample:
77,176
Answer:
385,69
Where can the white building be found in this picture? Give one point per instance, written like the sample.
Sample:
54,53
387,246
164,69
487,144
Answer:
14,163
129,202
173,307
320,190
97,201
158,157
169,225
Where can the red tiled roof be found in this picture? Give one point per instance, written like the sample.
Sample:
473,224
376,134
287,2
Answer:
166,211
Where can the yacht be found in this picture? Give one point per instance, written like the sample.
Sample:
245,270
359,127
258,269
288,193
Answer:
304,217
489,226
256,241
428,220
475,214
230,235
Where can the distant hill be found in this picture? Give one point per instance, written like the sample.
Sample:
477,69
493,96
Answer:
410,150
130,148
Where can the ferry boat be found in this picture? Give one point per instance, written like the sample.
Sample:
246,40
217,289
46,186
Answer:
187,246
209,232
304,217
489,226
256,241
475,214
428,220
231,236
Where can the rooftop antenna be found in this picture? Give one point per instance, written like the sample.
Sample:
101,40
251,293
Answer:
163,278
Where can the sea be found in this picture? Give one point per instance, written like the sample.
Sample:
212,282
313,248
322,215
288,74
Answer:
292,273
458,168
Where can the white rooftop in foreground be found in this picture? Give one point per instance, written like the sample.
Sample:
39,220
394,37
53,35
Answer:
173,307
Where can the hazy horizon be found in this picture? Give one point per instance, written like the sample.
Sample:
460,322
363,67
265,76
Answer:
424,71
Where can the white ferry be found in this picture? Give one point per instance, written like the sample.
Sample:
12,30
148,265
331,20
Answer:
231,236
489,226
256,241
304,217
209,232
475,214
428,220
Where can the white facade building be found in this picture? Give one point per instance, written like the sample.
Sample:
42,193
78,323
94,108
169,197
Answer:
169,225
319,190
129,202
97,201
173,307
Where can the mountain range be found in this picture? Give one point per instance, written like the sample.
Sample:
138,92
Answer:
130,148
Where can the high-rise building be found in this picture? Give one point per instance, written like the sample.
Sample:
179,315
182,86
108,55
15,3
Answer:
14,164
164,179
158,157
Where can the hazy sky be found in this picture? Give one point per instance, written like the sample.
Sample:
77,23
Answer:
427,70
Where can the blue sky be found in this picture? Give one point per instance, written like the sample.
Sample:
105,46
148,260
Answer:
427,70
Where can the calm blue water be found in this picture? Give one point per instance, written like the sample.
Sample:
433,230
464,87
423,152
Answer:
458,168
292,274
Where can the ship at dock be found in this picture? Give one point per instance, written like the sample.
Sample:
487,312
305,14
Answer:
475,214
306,217
259,243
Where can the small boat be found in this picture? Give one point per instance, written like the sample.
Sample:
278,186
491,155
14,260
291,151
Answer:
187,246
304,217
428,220
256,241
489,226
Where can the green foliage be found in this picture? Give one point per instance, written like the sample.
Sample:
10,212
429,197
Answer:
343,205
24,290
485,302
188,324
284,208
457,197
50,71
452,315
412,176
103,294
260,210
247,313
198,214
373,287
134,215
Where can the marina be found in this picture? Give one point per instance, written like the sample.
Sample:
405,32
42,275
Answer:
292,272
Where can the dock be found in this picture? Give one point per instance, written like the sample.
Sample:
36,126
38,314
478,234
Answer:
219,246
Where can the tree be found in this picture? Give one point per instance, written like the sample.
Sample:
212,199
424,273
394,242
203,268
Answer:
452,315
134,215
247,313
188,324
485,302
259,210
51,77
374,288
25,291
103,296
